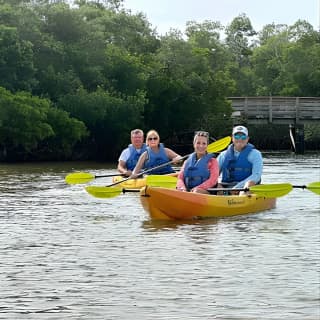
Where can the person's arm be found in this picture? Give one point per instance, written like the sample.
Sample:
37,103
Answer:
255,158
173,156
220,160
139,166
122,162
122,168
214,174
180,182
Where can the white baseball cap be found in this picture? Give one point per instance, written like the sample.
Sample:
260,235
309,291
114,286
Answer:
240,129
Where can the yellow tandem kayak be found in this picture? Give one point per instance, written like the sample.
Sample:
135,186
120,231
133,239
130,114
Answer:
164,204
131,183
167,181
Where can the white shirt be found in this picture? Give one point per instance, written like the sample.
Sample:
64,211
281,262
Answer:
125,154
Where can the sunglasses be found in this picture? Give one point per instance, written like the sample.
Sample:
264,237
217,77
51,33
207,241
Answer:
152,138
240,136
202,134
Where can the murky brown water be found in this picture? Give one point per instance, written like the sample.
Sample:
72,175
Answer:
67,255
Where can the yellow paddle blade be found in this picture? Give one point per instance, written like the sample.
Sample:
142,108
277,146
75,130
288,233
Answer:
219,145
79,177
271,190
131,183
314,187
103,192
162,181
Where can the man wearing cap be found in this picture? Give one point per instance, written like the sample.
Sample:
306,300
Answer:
241,164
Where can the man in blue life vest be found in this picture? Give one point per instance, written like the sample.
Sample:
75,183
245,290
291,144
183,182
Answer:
129,156
241,164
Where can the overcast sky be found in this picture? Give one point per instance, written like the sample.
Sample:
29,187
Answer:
166,14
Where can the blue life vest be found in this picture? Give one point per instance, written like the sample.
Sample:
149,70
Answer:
196,171
156,159
236,169
134,156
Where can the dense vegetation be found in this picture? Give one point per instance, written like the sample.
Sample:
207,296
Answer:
75,79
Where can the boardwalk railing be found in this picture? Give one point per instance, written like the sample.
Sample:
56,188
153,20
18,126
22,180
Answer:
277,110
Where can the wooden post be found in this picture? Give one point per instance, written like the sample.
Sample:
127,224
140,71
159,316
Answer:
299,139
296,132
246,106
270,109
292,133
297,109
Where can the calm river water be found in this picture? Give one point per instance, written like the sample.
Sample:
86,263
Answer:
67,255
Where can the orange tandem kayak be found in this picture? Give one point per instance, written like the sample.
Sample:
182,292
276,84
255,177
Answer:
164,203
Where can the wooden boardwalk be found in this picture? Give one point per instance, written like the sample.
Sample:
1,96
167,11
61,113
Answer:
276,110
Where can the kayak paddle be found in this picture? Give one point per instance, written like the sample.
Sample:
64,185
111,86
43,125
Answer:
213,147
154,180
104,192
217,145
313,187
84,177
264,190
273,190
151,180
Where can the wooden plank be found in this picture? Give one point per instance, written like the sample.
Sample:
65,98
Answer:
277,109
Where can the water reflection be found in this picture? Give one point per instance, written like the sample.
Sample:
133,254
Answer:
67,255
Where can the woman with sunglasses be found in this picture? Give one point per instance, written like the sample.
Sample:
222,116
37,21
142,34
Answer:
155,155
241,164
201,170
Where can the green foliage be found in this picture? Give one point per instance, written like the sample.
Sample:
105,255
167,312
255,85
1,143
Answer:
104,71
185,90
125,72
312,135
68,132
16,61
26,122
204,35
63,24
106,116
302,78
23,120
288,61
239,33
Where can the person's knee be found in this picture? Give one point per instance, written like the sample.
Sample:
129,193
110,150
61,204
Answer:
249,184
